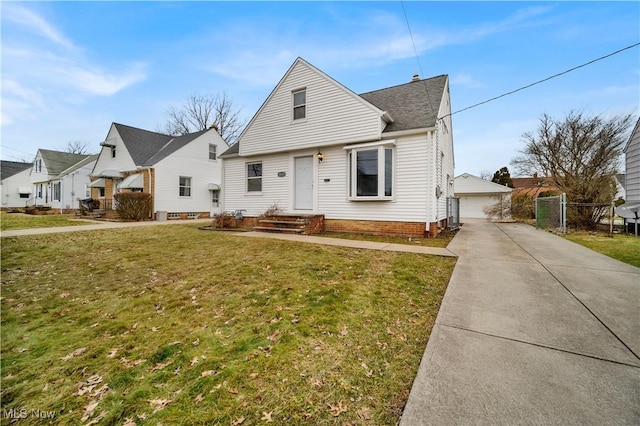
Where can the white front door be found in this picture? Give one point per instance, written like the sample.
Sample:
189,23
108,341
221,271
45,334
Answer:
303,183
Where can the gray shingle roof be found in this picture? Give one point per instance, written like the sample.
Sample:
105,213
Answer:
147,148
412,105
88,159
10,168
57,161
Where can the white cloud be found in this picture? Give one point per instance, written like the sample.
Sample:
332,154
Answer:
375,37
97,82
50,72
28,19
465,80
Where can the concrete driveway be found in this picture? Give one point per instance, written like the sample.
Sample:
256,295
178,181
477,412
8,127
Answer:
533,329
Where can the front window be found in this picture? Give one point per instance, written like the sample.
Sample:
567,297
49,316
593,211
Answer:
185,186
56,191
254,177
212,152
299,105
371,172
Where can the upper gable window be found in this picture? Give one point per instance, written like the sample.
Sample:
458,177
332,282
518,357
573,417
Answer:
113,152
300,104
212,151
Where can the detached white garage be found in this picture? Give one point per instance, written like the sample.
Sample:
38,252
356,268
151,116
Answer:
477,194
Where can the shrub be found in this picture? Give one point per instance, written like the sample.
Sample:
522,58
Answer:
134,205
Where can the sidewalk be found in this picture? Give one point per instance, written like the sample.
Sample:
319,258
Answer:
95,226
369,245
533,329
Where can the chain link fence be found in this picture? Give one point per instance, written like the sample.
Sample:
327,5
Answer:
551,213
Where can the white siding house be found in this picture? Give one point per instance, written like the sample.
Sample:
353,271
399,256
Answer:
60,179
632,166
380,161
476,195
182,173
15,185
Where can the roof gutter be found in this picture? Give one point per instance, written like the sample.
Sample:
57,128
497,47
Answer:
407,132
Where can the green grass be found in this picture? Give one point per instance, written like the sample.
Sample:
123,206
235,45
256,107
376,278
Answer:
625,248
10,221
175,325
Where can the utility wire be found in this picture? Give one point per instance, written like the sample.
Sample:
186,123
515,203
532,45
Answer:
545,79
415,50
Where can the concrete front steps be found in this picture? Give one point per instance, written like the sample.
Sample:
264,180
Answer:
291,224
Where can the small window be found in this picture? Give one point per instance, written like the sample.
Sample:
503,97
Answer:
215,198
212,152
371,172
185,186
24,195
254,177
174,215
300,104
101,192
113,152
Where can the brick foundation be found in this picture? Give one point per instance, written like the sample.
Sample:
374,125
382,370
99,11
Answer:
401,229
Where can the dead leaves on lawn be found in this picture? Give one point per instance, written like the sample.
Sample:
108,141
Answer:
337,409
75,353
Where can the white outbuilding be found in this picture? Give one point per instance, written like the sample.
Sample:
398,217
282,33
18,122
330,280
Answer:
478,195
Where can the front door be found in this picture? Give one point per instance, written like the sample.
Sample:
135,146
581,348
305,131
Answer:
303,183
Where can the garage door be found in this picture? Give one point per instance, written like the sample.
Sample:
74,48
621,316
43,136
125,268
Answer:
472,206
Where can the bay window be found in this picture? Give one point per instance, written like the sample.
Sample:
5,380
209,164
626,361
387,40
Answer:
371,172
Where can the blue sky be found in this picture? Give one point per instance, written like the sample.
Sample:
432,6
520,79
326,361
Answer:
70,69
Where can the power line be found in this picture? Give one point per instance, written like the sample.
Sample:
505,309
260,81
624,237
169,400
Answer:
415,50
545,79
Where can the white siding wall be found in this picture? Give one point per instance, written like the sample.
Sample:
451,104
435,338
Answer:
330,184
632,163
275,190
191,161
446,164
10,186
40,176
333,115
122,161
72,187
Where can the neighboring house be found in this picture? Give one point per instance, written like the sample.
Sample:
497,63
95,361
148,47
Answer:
182,173
378,162
629,210
632,166
478,195
15,185
60,179
532,186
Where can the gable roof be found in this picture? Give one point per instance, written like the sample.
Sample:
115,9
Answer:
58,161
470,184
10,168
412,105
634,137
79,164
148,148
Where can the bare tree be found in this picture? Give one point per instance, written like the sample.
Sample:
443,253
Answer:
580,156
77,147
200,112
486,175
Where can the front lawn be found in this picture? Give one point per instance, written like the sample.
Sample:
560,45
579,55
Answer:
10,221
623,247
175,325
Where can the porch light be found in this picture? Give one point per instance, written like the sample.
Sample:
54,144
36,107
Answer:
320,156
